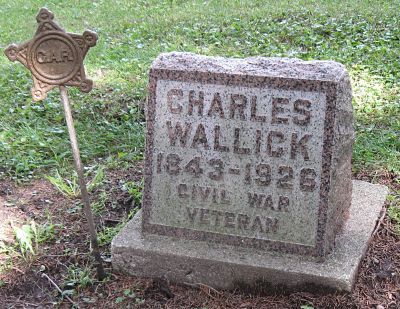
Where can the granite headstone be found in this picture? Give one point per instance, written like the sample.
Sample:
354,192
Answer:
255,152
250,154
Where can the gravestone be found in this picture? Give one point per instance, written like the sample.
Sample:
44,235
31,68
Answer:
248,175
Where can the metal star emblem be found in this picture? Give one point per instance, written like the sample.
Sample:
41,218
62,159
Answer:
54,56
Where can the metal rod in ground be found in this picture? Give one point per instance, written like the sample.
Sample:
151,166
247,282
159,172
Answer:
82,183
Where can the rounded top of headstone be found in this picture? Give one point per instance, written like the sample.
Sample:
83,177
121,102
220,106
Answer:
256,66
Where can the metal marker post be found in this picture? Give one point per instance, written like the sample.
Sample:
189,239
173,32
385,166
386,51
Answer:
55,58
82,182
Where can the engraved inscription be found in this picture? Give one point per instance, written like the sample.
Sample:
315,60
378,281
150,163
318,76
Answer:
272,143
238,161
215,169
231,220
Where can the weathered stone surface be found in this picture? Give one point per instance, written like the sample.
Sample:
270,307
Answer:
225,266
253,152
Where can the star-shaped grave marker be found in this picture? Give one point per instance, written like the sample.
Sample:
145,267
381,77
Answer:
54,56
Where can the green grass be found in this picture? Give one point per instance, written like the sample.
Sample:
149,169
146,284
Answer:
29,236
394,210
365,36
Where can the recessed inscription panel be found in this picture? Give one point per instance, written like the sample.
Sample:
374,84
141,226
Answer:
237,160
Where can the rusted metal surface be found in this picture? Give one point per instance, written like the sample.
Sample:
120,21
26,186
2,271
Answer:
54,56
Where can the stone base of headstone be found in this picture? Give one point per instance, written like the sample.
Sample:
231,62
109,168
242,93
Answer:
227,267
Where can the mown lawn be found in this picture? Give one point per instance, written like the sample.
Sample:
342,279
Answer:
363,35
